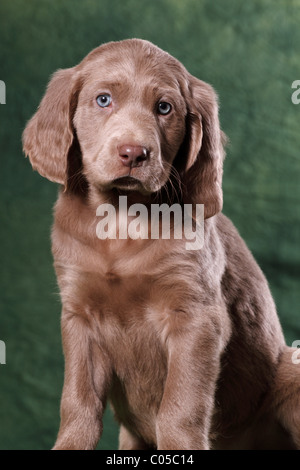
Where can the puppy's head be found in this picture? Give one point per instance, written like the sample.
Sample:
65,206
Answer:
130,117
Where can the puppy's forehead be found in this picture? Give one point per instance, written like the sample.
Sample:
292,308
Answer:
133,60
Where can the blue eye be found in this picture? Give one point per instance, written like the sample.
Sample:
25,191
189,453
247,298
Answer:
164,108
104,100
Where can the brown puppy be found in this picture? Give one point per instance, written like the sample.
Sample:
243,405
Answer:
185,344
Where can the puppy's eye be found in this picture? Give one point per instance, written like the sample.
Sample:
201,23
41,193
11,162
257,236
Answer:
164,108
104,100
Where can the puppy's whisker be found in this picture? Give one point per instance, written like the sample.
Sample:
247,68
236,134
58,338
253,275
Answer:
174,181
76,179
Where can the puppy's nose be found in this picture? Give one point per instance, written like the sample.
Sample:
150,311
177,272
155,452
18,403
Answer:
132,155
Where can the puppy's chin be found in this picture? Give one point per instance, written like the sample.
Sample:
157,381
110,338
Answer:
128,185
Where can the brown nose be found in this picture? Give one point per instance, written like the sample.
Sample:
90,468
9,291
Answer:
132,155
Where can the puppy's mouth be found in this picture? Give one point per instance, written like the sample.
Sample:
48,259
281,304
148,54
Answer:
128,183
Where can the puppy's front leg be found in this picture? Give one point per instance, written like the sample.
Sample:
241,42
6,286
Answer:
87,377
184,416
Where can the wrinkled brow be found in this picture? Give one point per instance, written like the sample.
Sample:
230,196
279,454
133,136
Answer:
148,85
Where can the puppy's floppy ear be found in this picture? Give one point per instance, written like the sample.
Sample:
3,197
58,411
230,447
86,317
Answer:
49,135
202,176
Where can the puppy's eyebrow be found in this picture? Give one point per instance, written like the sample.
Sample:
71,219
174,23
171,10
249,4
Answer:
167,91
110,84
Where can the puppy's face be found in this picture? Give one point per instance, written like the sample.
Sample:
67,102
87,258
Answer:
130,119
129,116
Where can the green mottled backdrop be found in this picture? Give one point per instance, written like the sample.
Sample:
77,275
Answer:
250,52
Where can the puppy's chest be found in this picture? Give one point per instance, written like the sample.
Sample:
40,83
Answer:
122,280
131,326
131,307
128,304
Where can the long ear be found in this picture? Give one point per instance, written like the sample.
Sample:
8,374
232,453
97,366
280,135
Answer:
48,135
202,176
